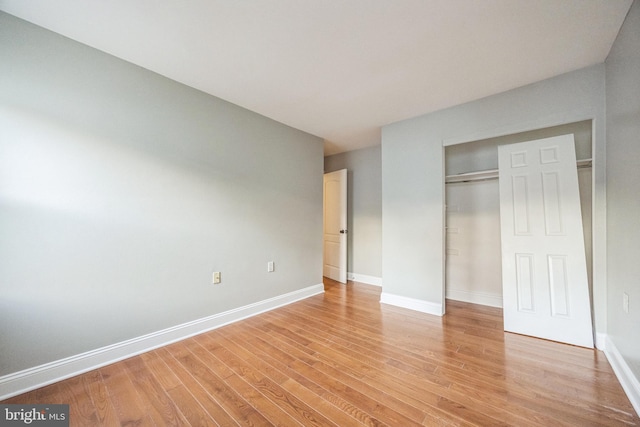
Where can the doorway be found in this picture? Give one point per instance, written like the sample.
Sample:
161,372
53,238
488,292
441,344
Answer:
473,254
335,225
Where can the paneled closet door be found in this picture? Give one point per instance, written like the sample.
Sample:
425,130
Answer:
544,273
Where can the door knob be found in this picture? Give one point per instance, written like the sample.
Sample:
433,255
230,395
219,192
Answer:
343,231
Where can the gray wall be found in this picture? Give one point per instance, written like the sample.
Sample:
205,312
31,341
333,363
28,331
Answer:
413,175
623,190
364,208
122,191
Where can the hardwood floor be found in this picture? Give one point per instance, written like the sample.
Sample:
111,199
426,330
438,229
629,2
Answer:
344,359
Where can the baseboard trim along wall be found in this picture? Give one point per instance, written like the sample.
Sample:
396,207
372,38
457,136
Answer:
625,375
363,278
601,341
412,304
481,298
39,376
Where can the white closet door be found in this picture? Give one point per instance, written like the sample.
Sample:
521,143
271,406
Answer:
544,274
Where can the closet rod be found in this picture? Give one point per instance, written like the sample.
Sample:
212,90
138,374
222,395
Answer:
493,174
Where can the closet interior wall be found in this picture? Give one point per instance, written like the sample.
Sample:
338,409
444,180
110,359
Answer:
473,252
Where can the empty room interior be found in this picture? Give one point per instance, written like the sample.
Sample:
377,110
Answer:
321,213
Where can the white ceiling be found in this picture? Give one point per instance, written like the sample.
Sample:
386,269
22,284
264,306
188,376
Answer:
341,69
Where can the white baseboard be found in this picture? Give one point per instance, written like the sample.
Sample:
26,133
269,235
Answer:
363,278
412,304
625,375
39,376
601,341
482,298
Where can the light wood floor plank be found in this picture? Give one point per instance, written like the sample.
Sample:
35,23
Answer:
283,361
123,396
207,402
376,373
157,403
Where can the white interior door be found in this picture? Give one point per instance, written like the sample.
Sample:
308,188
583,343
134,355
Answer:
544,272
335,225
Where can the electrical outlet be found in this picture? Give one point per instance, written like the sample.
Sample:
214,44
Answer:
270,267
216,277
625,302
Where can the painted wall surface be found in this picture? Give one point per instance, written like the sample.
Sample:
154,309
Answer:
364,208
122,191
623,192
473,254
413,175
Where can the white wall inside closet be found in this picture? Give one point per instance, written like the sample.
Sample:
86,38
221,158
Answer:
473,255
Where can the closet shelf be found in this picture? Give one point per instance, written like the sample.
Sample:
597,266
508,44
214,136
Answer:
493,174
472,176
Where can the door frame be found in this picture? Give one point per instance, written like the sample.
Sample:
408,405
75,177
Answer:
598,213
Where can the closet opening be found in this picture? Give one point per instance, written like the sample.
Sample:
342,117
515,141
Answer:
473,258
